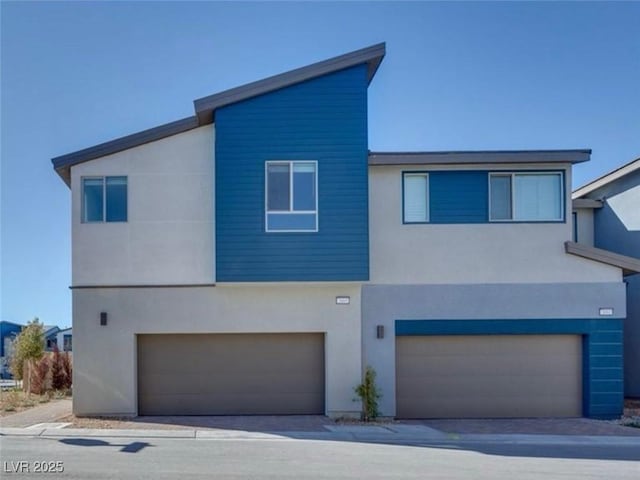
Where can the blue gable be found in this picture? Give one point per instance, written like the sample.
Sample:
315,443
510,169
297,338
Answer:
323,120
8,330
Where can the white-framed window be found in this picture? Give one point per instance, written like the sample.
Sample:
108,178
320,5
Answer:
526,197
104,199
415,197
291,196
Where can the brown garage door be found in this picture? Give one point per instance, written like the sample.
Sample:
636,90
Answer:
488,376
231,374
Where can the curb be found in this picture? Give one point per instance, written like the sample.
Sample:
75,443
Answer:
351,436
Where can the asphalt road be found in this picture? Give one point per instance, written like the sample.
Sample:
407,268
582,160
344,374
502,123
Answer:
159,458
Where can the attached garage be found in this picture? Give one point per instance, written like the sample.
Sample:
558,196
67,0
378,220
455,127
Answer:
231,374
490,376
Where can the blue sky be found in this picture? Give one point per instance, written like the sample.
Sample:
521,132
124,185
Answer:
457,76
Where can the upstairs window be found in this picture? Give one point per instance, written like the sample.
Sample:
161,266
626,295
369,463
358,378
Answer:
104,199
526,197
415,197
292,196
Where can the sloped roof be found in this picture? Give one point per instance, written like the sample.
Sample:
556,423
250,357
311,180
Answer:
205,107
629,265
607,178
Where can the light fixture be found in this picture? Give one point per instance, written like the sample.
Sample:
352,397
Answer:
380,331
103,318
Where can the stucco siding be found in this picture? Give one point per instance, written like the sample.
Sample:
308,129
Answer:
105,356
469,253
169,235
584,226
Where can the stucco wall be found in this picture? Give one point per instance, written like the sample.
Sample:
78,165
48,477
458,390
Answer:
384,304
169,235
469,253
584,226
105,356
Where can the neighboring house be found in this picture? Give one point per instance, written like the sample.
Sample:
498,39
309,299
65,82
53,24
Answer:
50,336
64,340
8,332
255,257
607,213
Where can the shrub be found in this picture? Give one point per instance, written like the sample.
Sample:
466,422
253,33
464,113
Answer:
28,348
67,368
58,374
369,394
39,379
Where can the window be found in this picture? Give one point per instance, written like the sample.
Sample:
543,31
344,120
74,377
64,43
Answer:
67,343
526,197
415,197
291,196
104,199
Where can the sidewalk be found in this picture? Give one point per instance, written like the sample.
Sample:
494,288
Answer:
43,421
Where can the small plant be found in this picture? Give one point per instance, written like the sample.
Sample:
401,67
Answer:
12,400
369,395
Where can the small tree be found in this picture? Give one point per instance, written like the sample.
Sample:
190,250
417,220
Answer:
28,348
369,394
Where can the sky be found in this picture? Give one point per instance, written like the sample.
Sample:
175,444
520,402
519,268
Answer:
456,76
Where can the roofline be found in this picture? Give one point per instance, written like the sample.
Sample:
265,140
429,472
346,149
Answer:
372,56
586,203
64,329
205,107
13,323
63,163
607,178
629,265
480,156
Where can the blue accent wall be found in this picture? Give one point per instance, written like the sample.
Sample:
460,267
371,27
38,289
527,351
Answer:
602,376
8,330
458,197
323,119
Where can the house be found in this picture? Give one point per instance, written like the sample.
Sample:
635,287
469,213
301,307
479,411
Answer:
50,336
64,340
607,216
255,257
8,332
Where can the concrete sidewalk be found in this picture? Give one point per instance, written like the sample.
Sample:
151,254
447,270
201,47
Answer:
362,434
49,412
41,421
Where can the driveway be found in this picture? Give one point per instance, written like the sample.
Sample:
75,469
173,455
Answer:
60,411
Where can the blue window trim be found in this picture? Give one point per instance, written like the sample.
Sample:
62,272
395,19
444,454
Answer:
104,198
563,193
315,212
402,215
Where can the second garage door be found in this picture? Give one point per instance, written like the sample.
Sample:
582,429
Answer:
231,374
488,376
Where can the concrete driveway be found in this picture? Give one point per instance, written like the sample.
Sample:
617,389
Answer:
60,412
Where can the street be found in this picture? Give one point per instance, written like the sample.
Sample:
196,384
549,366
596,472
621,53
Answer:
158,458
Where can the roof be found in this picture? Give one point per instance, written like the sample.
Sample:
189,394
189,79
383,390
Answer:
65,329
480,156
205,107
586,203
607,178
629,265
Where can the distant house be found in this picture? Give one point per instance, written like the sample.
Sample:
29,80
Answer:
607,216
64,340
8,332
50,336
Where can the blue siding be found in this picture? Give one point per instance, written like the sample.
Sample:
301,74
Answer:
602,384
458,197
324,119
8,330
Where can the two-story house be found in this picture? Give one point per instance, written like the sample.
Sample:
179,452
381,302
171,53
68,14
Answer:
607,216
255,257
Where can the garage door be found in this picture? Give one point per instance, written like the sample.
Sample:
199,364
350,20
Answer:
489,376
231,374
